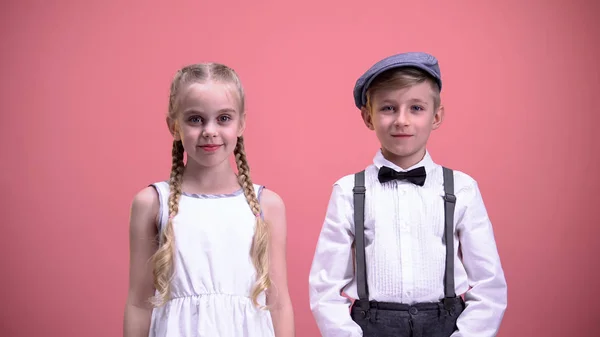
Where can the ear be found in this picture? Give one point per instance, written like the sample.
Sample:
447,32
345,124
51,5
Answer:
242,126
438,117
173,128
367,117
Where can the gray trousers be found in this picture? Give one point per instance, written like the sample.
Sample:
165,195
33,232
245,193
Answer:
402,320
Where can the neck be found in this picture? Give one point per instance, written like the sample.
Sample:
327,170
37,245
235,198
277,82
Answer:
218,179
404,162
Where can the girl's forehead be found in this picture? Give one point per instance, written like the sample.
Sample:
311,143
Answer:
207,91
208,95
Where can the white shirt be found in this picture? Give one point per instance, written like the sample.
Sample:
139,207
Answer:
405,255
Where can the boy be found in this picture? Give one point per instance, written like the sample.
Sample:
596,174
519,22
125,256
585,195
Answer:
396,216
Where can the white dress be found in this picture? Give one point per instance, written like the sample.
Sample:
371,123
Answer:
213,270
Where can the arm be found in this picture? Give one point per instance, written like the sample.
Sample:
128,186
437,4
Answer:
278,296
487,299
332,270
142,245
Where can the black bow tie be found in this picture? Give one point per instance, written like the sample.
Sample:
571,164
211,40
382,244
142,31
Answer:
416,176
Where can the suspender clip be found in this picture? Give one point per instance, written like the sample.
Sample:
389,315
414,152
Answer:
359,189
449,197
449,305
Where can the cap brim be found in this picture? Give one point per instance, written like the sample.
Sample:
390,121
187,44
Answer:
369,80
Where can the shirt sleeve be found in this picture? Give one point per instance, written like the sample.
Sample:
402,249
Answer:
487,299
332,270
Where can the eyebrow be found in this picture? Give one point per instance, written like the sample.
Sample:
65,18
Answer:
412,100
418,100
194,111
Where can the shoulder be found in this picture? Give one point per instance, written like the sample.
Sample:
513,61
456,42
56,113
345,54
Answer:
345,184
145,206
462,180
270,201
343,187
273,209
146,199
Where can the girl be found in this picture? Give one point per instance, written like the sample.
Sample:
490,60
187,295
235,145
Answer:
215,240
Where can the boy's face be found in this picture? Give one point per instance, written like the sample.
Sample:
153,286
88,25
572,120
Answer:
403,119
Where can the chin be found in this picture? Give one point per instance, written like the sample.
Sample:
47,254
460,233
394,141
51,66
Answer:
399,151
208,161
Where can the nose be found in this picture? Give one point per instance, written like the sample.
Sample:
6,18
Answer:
209,131
403,117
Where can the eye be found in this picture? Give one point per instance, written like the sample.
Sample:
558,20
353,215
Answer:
224,118
417,108
387,108
195,119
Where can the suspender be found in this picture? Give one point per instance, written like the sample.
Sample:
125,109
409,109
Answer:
359,229
359,237
449,205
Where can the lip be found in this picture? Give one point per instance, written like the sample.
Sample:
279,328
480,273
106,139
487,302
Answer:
210,147
402,135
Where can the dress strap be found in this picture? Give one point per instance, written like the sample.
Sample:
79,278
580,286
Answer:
162,188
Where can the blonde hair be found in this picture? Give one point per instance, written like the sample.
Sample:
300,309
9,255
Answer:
163,259
402,78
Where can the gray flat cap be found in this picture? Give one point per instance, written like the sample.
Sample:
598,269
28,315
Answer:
423,61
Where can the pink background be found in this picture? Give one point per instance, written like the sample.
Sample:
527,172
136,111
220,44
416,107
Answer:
84,92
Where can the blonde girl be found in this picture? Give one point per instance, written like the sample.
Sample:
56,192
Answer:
208,246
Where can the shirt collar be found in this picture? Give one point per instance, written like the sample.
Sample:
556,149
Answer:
426,162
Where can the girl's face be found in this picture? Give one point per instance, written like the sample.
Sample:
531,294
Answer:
208,122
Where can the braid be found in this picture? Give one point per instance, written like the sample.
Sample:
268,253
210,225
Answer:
260,245
163,259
